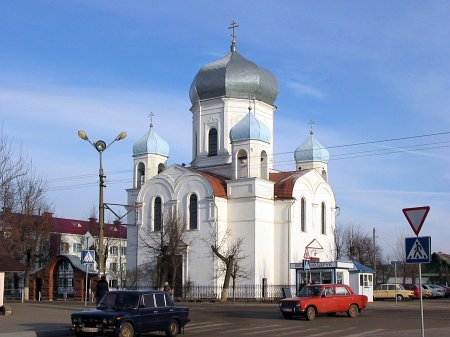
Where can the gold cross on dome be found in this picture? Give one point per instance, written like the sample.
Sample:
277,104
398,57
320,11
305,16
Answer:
233,26
311,125
151,114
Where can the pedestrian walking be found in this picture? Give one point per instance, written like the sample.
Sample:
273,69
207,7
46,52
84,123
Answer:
167,288
102,288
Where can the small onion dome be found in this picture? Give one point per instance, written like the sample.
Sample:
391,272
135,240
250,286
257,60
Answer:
311,150
151,143
234,76
250,127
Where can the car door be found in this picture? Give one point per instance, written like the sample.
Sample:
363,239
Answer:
147,312
343,298
163,313
331,299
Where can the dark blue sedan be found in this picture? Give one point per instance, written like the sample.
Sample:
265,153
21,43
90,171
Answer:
127,313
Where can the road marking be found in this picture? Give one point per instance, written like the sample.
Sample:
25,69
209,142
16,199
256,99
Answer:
334,332
277,329
305,330
367,333
248,328
208,326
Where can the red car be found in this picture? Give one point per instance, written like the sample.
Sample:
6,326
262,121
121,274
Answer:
323,298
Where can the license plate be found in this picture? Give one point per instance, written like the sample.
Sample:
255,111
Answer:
84,329
288,309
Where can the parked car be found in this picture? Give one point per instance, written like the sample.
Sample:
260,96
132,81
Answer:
416,289
323,298
392,291
435,289
126,313
447,290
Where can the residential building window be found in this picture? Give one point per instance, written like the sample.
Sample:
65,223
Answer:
303,215
157,215
123,250
64,247
77,247
323,219
113,266
113,250
193,212
113,283
212,142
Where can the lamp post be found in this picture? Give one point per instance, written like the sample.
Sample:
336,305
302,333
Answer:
101,146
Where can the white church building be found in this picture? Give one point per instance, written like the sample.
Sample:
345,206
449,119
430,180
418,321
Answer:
231,183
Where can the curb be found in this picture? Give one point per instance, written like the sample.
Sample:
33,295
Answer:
19,334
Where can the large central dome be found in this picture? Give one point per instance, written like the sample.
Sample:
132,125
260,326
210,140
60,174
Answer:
234,76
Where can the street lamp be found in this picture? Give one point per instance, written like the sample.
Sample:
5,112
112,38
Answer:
101,146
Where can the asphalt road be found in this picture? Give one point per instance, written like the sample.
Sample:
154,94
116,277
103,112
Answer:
381,319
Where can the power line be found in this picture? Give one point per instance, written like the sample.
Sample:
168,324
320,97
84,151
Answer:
278,164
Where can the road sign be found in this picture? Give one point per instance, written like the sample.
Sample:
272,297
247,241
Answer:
306,265
418,249
88,257
416,217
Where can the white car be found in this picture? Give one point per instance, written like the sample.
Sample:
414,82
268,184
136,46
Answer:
436,290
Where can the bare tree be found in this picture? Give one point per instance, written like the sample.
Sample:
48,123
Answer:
339,242
29,224
229,250
407,270
167,246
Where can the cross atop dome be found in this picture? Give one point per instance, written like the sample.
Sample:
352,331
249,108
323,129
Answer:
233,26
150,115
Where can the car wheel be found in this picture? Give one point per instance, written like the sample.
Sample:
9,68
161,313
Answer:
399,298
353,311
126,330
287,315
310,313
173,328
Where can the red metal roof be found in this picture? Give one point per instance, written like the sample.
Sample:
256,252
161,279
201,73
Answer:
217,182
284,183
80,227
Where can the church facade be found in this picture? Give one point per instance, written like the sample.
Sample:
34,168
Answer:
231,190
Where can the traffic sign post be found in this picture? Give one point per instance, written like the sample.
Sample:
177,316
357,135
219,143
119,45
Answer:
87,258
418,249
306,265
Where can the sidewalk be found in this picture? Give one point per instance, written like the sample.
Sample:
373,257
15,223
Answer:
40,319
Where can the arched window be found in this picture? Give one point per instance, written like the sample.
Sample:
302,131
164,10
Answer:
193,212
324,175
303,215
323,219
140,175
242,164
157,215
264,169
161,167
212,142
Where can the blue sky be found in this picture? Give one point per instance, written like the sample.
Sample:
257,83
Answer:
362,71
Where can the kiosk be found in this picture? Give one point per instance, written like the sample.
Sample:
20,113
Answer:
346,272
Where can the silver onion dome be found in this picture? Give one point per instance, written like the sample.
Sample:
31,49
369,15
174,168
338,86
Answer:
234,76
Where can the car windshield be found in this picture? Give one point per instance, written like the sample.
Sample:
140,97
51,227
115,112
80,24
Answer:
311,291
117,301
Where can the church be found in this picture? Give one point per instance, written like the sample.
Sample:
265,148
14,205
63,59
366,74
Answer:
231,188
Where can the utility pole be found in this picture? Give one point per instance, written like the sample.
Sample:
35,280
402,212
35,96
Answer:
374,256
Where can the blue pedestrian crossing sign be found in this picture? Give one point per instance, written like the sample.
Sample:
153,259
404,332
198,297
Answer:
418,249
88,257
306,265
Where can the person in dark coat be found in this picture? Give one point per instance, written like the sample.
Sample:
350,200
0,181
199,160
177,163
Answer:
102,288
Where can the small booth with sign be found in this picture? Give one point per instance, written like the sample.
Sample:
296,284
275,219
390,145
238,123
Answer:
308,272
352,273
